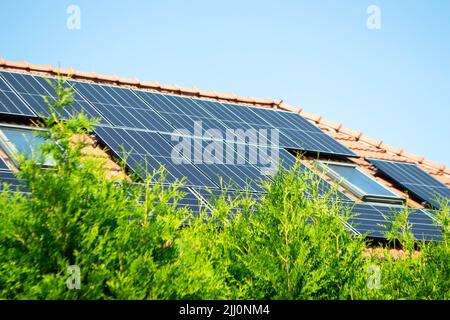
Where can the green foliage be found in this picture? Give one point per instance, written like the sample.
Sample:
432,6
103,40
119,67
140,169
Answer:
134,242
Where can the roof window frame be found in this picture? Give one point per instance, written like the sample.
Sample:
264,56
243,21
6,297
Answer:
9,147
395,199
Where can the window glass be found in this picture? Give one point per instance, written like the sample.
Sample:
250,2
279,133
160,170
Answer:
17,140
362,181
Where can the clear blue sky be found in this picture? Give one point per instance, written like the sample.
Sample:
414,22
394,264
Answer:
392,84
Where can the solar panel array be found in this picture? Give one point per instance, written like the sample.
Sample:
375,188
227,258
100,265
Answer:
163,113
415,180
146,129
373,221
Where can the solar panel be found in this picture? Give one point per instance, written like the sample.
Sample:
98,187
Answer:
235,175
79,104
10,103
8,177
373,221
190,200
415,180
305,135
232,197
32,89
294,131
121,107
187,199
221,162
182,114
3,165
146,151
233,116
291,135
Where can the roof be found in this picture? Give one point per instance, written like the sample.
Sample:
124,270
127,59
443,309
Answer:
359,143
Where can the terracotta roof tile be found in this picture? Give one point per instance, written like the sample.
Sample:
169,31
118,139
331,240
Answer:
231,96
16,64
397,151
265,101
246,99
194,91
209,94
43,68
335,126
356,145
373,142
95,152
286,107
151,85
352,133
65,71
343,136
378,155
129,81
413,157
170,87
86,75
112,78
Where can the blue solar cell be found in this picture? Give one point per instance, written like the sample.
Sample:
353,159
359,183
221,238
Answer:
220,161
3,165
195,126
8,177
415,180
374,221
157,102
121,107
236,176
294,131
79,104
185,106
146,151
187,198
301,132
32,90
232,197
10,103
232,113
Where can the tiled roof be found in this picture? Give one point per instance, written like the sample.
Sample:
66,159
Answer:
356,141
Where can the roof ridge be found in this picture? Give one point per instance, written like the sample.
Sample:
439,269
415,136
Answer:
230,97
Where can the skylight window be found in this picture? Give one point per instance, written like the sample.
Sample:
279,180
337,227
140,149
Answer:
17,140
359,183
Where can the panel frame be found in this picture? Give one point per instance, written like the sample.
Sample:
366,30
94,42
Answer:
409,186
